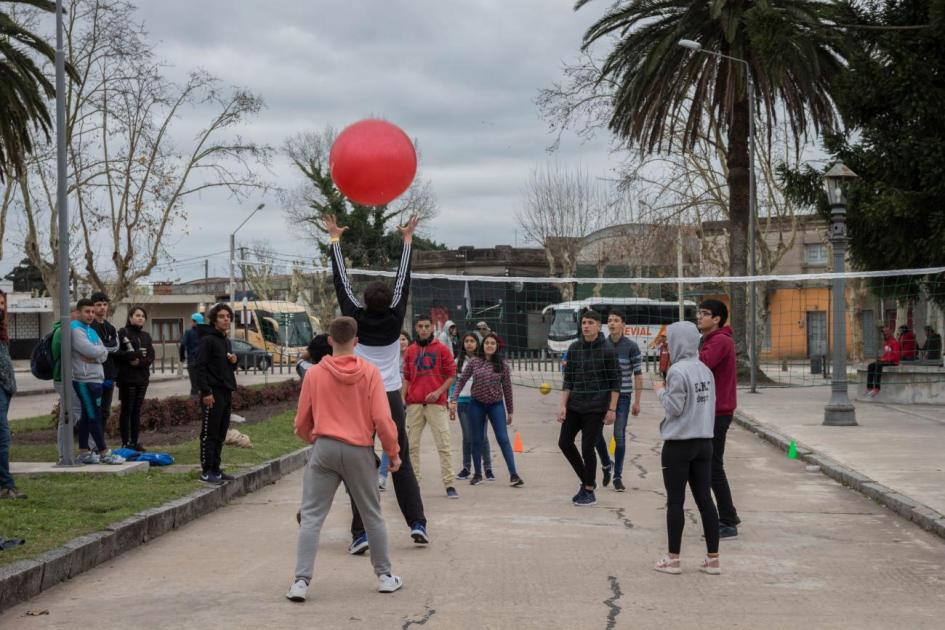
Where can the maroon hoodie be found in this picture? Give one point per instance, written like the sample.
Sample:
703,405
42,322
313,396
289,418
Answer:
718,353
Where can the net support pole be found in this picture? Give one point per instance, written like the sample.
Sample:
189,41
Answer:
839,411
752,233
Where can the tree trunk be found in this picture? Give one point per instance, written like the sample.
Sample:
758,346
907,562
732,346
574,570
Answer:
739,213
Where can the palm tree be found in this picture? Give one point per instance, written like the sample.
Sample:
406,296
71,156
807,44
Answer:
24,88
664,91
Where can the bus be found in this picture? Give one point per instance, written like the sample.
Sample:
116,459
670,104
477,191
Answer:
644,318
281,328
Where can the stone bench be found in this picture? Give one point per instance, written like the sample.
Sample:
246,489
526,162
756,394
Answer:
908,383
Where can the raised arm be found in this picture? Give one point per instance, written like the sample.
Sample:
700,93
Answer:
339,274
402,283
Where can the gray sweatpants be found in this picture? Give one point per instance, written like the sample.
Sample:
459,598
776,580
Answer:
330,463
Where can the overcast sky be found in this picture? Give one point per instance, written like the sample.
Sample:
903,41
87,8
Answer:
460,77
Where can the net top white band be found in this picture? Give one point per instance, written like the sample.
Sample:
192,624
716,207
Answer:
798,277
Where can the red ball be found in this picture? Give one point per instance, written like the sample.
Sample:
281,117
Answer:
372,162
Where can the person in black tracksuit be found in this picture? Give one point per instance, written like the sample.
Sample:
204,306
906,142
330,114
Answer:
215,377
109,336
134,372
380,319
588,401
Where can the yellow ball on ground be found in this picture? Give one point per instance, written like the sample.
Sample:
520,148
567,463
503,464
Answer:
544,388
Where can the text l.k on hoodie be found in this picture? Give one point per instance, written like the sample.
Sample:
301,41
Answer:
343,398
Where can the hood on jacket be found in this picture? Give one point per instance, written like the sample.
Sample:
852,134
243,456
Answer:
348,369
449,324
683,340
206,329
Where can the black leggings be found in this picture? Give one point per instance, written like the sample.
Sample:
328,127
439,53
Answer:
405,480
129,419
689,461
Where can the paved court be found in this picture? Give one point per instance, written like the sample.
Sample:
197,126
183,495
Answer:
810,554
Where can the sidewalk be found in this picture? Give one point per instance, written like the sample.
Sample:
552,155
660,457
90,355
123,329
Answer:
898,446
42,401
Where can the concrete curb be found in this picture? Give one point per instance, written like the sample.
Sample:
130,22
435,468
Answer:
910,509
27,578
50,390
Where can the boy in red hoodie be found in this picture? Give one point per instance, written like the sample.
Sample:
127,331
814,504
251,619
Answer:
718,354
429,370
890,356
341,406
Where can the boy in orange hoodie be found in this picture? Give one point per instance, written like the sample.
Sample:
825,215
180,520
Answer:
341,406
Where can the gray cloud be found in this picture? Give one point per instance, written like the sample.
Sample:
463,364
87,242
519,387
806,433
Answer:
460,77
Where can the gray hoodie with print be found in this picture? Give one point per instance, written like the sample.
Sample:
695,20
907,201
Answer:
689,397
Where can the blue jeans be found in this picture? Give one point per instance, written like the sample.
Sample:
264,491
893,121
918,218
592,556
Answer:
6,480
462,410
91,423
620,437
385,465
495,412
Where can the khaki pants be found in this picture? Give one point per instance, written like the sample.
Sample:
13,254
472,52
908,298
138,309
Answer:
418,417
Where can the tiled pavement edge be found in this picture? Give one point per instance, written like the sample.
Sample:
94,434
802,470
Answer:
22,580
910,509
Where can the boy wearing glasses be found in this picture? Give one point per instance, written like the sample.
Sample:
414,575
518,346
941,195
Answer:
718,354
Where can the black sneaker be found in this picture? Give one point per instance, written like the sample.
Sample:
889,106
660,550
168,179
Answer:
586,499
738,521
451,493
618,485
223,476
578,495
516,482
463,475
211,478
728,531
476,480
489,475
607,470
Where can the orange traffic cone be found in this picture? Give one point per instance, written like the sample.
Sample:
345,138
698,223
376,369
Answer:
517,444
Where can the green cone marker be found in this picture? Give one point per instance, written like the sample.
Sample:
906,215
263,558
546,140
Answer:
792,451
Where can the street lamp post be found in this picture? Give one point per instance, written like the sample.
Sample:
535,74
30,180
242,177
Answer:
67,421
752,204
839,411
232,256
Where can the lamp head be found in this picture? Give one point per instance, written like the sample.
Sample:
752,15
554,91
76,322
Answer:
691,44
836,181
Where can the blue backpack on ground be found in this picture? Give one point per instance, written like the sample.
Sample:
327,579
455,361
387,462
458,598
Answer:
41,361
155,459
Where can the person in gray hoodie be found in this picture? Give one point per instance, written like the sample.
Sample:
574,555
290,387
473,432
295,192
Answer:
688,398
88,374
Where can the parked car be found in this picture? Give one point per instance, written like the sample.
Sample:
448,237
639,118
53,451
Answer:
248,357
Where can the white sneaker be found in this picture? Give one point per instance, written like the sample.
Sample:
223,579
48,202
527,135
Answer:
111,458
388,583
297,591
381,483
88,458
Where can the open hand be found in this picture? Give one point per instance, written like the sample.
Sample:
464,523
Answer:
562,412
635,409
332,227
408,230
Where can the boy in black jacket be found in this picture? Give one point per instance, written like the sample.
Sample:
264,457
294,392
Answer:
380,319
215,377
109,336
588,402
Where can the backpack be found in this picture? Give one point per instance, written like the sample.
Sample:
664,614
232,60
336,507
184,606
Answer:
41,361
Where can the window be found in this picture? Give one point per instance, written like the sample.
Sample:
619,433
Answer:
815,254
167,330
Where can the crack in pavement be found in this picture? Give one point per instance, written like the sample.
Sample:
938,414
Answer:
691,515
611,603
622,515
643,471
657,492
422,621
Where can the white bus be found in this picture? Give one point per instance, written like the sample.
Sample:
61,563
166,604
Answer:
644,318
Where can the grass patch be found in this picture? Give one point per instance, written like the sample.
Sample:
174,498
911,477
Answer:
63,507
36,423
271,438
